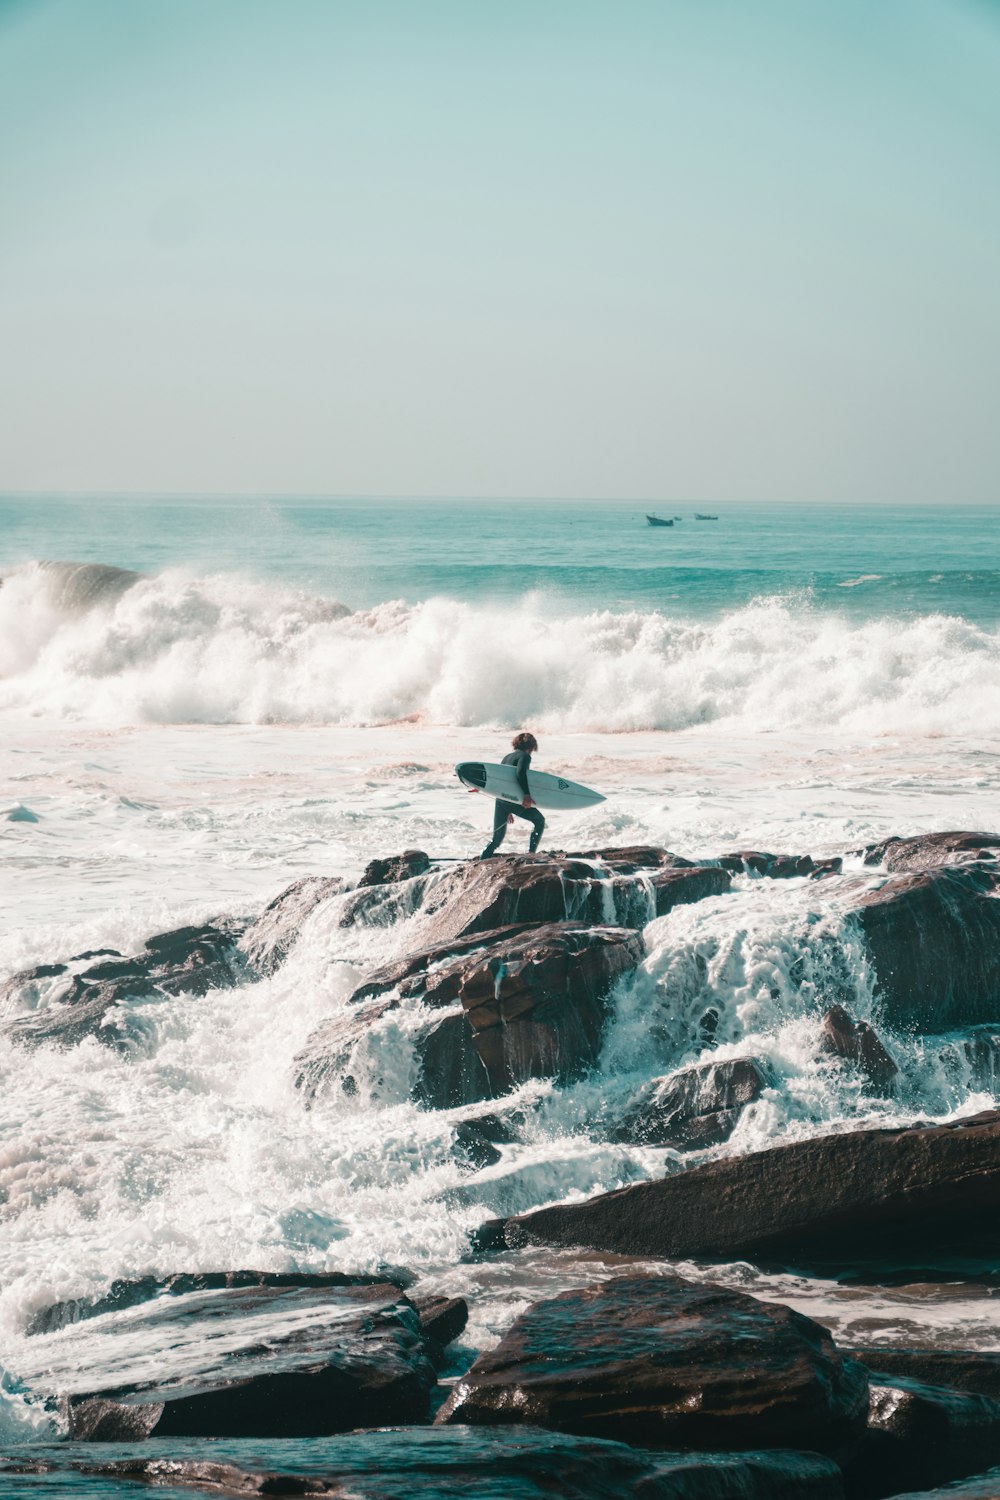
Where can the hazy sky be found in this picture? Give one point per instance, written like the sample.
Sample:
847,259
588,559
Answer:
647,248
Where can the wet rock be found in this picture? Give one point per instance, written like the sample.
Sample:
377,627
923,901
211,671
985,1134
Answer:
472,1148
849,1197
629,859
779,866
109,999
922,1435
980,1047
959,1369
122,1293
527,1003
254,1361
268,941
467,1463
443,1319
934,942
927,851
981,1487
383,904
660,1361
698,1106
500,1130
395,867
857,1043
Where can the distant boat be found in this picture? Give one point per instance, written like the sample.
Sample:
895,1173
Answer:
704,518
658,521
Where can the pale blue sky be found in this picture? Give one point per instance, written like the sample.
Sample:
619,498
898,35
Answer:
653,248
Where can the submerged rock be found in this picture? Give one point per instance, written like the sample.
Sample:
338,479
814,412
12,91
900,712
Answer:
268,941
853,1196
857,1043
255,1361
526,1003
934,941
927,851
779,866
922,1435
698,1106
107,1000
959,1369
660,1361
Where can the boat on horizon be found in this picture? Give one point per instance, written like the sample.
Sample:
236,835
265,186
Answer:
657,520
699,517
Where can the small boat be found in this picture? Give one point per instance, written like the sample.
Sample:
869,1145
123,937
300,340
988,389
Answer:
657,521
704,518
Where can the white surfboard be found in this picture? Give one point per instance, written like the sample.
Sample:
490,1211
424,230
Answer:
501,782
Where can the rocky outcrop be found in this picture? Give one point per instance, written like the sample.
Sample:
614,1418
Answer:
660,1361
927,851
934,942
268,941
698,1106
109,999
252,1361
959,1369
395,867
526,1003
779,866
521,1463
857,1043
922,1435
855,1196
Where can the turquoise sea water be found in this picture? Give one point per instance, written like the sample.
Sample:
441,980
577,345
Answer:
863,561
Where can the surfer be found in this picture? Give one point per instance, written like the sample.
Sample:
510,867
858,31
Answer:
525,745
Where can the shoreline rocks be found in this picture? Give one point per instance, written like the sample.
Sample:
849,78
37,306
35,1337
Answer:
696,1107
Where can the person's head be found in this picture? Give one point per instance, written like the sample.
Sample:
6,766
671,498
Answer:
525,741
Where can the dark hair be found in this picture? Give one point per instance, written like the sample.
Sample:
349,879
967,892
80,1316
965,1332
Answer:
525,741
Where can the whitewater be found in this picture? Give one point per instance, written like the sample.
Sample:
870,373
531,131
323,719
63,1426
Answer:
182,738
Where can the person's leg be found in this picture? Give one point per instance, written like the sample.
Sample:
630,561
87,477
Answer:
501,812
537,830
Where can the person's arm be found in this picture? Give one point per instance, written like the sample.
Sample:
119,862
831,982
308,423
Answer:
521,772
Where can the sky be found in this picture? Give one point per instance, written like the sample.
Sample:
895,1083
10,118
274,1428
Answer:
709,249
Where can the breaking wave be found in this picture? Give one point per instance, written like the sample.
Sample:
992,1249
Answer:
105,645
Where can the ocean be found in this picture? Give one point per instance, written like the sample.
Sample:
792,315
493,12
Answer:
202,701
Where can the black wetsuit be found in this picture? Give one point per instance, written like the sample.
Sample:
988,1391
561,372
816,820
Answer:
520,760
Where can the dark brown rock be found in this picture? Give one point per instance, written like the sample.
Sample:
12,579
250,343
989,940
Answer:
922,1435
443,1319
959,1369
698,1106
927,851
857,1043
660,1361
779,866
250,1361
395,867
472,1148
853,1196
934,941
526,1003
268,941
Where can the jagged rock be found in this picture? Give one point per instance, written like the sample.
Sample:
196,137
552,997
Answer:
122,1293
395,867
527,1003
959,1369
443,1319
631,858
858,1043
922,1435
927,851
660,1361
473,1148
779,866
853,1196
699,1106
500,1129
466,1463
107,999
268,941
254,1361
934,941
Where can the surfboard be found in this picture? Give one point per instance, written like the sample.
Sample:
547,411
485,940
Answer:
501,782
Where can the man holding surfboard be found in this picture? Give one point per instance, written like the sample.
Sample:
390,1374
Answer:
525,745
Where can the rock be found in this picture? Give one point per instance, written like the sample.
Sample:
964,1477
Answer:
500,1130
443,1319
779,866
854,1196
857,1043
465,1463
698,1106
631,858
664,1362
922,1435
122,1293
472,1148
981,1048
253,1361
927,851
934,941
982,1487
268,941
525,1003
395,867
108,999
960,1369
